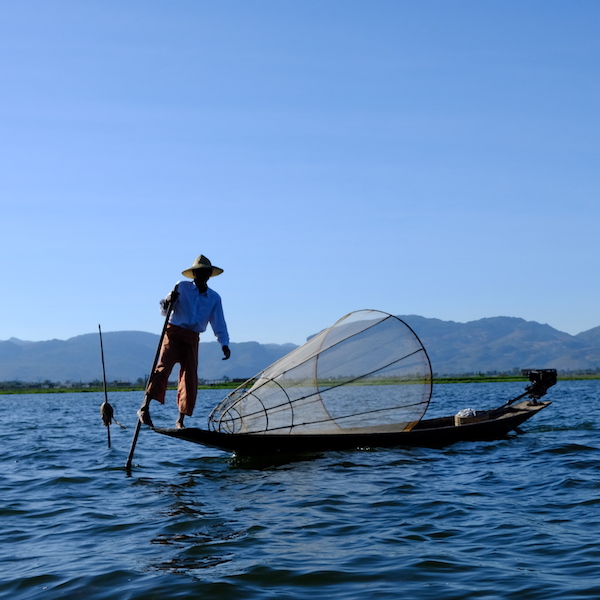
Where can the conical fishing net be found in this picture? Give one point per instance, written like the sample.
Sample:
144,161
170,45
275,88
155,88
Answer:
367,371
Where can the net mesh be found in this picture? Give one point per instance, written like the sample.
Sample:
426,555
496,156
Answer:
368,370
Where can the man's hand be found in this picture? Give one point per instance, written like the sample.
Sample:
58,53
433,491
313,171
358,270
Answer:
171,298
226,352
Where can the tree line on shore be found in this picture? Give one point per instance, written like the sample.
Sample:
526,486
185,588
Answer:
97,385
140,384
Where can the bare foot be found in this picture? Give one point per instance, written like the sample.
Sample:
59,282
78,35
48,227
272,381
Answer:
144,416
179,423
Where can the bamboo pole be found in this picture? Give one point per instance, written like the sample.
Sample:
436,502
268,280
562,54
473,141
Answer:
106,410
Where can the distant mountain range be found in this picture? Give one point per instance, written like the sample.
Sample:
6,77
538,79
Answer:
128,356
503,344
499,344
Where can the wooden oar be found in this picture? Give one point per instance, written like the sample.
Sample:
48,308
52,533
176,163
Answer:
146,401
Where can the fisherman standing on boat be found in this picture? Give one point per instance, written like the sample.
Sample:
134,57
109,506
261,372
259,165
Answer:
194,306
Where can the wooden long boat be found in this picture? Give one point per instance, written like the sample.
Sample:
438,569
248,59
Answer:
435,433
365,382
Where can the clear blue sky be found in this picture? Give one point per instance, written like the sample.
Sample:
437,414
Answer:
417,157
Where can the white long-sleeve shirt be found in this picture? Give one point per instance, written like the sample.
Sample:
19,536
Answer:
195,311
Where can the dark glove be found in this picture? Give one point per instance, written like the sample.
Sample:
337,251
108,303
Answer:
226,352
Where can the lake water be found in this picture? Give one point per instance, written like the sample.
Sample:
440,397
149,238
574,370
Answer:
516,518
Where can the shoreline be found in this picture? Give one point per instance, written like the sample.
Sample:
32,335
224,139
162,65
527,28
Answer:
231,386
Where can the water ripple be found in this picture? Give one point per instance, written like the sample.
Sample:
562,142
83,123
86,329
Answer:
514,518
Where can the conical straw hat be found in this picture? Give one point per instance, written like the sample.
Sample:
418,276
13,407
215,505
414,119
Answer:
201,263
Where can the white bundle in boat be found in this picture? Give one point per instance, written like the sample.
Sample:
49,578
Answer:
368,370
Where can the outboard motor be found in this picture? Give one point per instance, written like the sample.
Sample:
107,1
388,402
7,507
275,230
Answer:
541,381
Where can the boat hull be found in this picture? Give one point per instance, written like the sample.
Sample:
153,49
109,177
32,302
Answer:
434,433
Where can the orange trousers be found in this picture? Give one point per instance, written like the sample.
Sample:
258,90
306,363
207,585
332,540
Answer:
179,346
